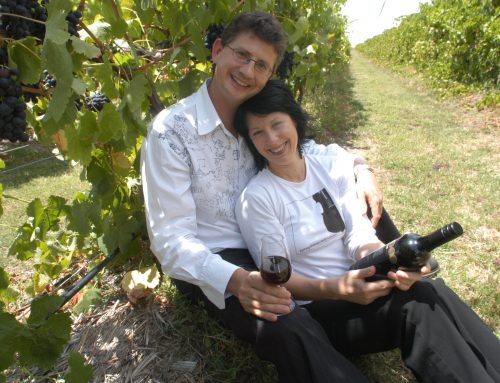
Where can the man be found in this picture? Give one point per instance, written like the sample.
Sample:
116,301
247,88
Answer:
194,166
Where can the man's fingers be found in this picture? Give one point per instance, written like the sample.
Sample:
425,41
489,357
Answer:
376,208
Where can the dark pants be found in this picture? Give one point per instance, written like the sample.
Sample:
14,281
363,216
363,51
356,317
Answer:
441,339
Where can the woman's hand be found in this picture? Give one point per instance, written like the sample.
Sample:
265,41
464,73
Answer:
352,286
404,280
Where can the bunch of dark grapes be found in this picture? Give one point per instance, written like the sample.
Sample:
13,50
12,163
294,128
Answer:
96,101
12,108
214,31
48,80
17,27
285,66
4,56
29,96
73,18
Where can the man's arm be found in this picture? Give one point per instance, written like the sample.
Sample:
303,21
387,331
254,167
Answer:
369,193
171,219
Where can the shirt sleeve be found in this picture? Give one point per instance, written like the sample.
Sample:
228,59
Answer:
359,230
171,219
333,150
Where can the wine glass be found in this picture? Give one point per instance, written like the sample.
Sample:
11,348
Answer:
275,264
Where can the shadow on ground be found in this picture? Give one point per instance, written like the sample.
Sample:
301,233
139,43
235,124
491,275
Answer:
27,161
336,111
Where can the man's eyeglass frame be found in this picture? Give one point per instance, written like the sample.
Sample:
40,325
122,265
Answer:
244,58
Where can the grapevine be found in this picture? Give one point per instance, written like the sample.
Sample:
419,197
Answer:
89,76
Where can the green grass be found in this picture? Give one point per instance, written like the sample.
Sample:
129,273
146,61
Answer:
30,172
436,161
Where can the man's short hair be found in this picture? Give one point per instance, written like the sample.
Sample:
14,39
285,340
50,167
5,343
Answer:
263,25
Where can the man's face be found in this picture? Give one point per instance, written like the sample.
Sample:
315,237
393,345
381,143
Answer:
235,79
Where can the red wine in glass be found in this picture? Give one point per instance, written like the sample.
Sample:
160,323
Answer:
275,269
275,265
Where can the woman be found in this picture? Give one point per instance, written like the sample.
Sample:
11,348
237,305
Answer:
311,202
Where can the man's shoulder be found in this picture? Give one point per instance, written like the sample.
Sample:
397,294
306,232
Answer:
180,116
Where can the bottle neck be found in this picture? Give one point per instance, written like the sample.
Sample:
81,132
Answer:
440,237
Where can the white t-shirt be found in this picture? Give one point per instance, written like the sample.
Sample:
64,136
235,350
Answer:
296,210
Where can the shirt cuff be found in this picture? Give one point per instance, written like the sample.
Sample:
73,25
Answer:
220,273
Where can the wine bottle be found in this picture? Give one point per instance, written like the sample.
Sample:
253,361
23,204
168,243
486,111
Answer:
410,251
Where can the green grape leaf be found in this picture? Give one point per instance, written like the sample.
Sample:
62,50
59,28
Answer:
10,330
42,343
58,62
110,124
100,29
92,296
104,74
300,26
8,295
80,138
4,279
79,86
57,106
80,372
89,50
1,198
117,22
42,307
23,55
35,211
3,378
56,26
137,90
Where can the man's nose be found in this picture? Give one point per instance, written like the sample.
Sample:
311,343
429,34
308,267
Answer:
249,68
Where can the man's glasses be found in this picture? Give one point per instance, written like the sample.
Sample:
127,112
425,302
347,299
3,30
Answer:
243,57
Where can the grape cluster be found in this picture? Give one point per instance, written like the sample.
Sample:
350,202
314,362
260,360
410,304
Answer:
18,28
12,108
29,96
73,18
4,56
48,81
96,101
214,31
286,65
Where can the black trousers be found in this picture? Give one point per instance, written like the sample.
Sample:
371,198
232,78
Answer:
441,339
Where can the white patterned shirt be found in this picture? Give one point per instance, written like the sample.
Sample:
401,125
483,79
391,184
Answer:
193,170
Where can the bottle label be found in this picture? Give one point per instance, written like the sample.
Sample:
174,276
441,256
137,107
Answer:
391,252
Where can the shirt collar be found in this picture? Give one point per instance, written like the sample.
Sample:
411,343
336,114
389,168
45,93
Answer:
207,116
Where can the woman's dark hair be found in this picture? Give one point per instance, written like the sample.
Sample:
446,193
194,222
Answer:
261,24
274,97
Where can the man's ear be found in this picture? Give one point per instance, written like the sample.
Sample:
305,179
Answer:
216,48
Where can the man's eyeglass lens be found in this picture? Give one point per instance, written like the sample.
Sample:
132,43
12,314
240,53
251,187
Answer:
244,58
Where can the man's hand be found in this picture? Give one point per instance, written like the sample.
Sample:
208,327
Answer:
404,280
369,194
259,297
352,286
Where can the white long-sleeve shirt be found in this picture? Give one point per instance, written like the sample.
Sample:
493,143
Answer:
193,170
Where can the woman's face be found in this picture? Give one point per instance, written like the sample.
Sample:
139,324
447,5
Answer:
275,137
